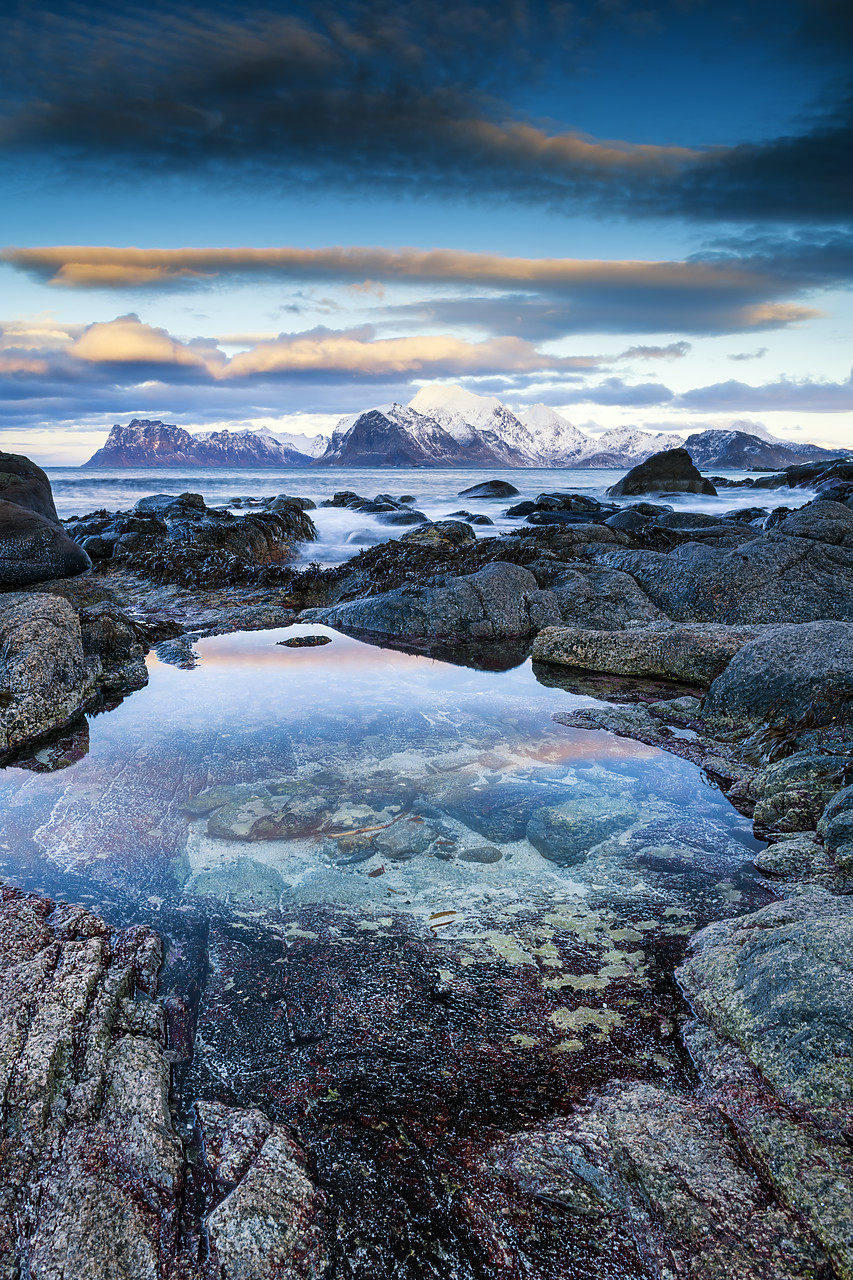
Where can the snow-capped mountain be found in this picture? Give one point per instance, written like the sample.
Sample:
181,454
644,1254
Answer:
624,447
557,439
147,443
540,438
736,449
310,446
393,435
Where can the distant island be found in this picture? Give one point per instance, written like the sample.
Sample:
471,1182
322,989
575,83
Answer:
440,427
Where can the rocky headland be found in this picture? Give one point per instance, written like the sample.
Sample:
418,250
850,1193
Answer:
146,1136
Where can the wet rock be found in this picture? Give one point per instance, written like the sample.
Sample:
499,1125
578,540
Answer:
178,653
628,521
675,841
795,677
34,548
162,503
441,534
502,600
671,471
566,832
695,654
403,518
232,1137
697,1206
272,1224
304,642
489,489
109,635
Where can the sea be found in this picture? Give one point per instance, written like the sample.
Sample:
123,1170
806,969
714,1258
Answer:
342,532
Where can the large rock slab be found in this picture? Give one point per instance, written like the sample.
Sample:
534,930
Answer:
670,471
694,654
798,676
501,600
33,548
799,571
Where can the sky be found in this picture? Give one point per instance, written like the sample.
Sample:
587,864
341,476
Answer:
234,215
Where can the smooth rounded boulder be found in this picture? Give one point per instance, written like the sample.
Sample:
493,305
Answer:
26,485
35,549
670,471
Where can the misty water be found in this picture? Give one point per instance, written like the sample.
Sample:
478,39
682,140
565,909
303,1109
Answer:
404,909
341,532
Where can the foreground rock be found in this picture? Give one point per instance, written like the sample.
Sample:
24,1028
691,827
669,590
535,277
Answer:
54,662
94,1174
671,471
774,1046
502,600
694,654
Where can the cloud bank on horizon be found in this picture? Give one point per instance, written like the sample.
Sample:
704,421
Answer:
699,153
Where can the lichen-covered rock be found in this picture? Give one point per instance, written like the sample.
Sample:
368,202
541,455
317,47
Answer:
502,600
693,1199
791,794
602,599
45,676
789,574
695,654
779,983
441,534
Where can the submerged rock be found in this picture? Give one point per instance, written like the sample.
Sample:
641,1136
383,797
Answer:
566,832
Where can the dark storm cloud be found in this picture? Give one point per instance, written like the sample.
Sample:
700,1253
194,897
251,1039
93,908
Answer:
406,98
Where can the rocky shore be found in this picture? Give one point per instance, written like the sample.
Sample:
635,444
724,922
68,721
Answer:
196,1152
